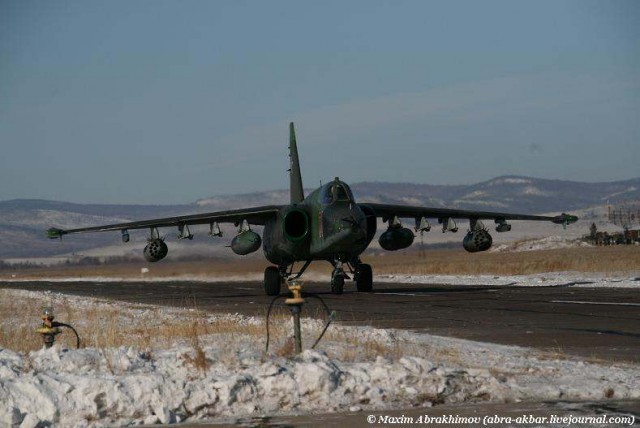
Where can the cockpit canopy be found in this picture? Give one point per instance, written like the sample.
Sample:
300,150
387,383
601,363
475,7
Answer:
336,191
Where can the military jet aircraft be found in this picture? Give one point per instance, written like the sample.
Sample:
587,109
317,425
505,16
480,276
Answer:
326,225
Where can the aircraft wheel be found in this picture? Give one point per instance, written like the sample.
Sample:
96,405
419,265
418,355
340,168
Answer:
272,281
337,284
364,278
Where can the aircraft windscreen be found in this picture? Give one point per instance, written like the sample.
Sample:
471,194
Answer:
335,193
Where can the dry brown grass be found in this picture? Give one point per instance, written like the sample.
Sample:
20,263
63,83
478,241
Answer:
287,349
199,360
16,332
108,326
165,268
609,393
361,348
451,262
438,262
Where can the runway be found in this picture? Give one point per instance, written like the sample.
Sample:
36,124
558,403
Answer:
599,323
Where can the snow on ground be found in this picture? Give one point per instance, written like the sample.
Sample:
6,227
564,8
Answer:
550,279
94,387
538,244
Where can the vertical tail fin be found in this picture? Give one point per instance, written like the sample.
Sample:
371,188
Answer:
295,178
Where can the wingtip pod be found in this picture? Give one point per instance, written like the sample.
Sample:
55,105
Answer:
565,219
55,233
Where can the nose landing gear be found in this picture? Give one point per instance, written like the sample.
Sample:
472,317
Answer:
362,275
272,281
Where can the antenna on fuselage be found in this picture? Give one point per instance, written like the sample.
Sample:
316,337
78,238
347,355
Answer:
295,177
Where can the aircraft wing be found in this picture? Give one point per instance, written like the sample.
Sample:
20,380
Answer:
256,216
387,212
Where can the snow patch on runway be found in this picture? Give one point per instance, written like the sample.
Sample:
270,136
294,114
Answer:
94,387
550,279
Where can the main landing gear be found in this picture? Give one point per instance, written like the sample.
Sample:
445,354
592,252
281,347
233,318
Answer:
362,273
274,277
364,278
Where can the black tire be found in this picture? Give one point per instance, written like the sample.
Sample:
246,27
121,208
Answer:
364,278
272,281
337,283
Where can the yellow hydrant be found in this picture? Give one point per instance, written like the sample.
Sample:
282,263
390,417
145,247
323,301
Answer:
48,329
295,303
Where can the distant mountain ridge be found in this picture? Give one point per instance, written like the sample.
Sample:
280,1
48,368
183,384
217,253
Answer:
23,222
505,193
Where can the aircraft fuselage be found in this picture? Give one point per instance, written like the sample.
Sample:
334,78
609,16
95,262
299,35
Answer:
327,225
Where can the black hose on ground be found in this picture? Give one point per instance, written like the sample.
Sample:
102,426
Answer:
61,324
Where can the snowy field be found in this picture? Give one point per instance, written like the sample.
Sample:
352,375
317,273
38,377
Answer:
229,374
553,242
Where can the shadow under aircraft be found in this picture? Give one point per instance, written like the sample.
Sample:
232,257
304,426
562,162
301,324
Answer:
327,225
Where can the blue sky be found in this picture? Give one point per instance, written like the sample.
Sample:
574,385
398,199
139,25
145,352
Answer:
171,101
